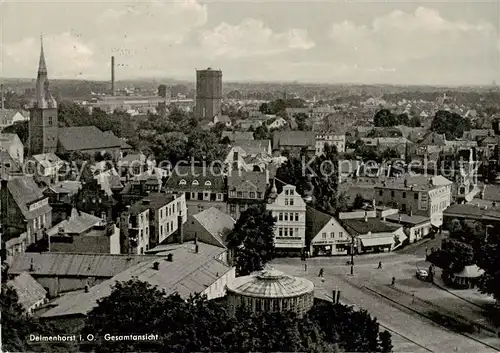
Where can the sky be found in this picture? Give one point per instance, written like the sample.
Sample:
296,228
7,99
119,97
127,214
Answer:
393,42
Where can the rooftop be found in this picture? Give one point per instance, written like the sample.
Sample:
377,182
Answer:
28,290
153,201
370,225
188,273
74,264
253,180
194,179
25,191
78,223
216,222
88,138
270,284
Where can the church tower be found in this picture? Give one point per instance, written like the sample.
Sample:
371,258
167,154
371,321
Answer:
43,124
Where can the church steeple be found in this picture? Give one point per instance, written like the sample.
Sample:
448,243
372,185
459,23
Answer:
44,98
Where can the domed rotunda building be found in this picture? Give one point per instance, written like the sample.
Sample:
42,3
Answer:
270,290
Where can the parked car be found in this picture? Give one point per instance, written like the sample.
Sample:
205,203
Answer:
422,275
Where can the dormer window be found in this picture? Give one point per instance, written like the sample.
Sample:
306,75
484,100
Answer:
182,182
208,183
195,182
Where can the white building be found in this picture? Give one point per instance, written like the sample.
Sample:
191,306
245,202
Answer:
289,209
329,138
328,236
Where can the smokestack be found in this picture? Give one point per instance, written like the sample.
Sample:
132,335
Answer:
113,75
2,97
180,229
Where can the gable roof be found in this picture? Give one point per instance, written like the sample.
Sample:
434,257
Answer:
253,146
317,220
28,290
199,174
78,138
47,159
25,191
238,178
77,223
6,116
216,222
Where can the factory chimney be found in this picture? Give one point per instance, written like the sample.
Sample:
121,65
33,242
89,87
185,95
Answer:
113,75
2,101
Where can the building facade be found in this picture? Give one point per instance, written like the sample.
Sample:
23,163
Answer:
208,93
329,138
289,209
244,190
134,229
422,195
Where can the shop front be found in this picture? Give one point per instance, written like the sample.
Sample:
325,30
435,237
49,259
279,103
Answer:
329,247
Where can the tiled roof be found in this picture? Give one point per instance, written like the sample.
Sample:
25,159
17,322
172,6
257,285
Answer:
200,176
237,135
153,201
373,225
24,191
253,146
188,273
77,223
419,182
270,284
216,222
74,265
6,116
28,290
407,219
87,138
238,178
316,221
293,138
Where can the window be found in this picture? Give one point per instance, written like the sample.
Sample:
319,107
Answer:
286,232
281,232
235,156
195,182
404,195
291,202
341,234
252,195
280,216
50,121
297,231
403,207
392,193
286,202
232,208
332,235
296,217
415,196
324,235
286,216
259,195
245,194
208,183
291,232
182,182
240,194
219,197
194,195
286,192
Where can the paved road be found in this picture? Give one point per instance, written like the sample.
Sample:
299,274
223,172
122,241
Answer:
414,332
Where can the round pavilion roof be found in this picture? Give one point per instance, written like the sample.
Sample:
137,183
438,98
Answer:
270,284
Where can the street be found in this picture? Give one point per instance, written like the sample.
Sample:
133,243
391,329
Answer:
411,309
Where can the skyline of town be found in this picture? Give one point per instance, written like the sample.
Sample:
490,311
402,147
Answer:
431,43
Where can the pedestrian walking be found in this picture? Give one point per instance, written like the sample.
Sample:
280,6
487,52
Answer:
379,265
305,267
393,281
320,273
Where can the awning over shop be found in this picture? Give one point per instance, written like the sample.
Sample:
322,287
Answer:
379,241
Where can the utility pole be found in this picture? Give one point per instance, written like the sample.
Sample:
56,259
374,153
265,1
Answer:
352,255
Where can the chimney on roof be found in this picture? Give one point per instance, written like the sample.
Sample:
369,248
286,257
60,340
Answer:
156,265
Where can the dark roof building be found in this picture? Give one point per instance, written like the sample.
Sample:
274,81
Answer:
89,138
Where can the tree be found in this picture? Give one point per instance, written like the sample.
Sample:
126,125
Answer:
487,256
358,203
385,342
451,124
252,239
21,129
301,120
415,122
384,118
262,133
355,331
402,119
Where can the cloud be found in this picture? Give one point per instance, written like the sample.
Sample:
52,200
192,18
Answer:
251,38
69,56
400,37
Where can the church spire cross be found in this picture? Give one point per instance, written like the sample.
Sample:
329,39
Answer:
42,66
